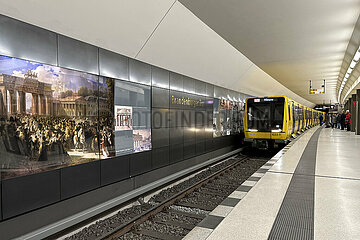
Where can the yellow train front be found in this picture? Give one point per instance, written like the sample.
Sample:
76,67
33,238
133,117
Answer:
274,120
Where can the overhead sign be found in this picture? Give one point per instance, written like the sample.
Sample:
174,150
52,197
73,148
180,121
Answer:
317,91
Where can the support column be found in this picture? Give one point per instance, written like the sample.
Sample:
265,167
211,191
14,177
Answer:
353,113
12,102
42,105
48,105
35,104
21,102
357,112
3,102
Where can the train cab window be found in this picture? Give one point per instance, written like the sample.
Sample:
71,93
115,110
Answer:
259,116
265,115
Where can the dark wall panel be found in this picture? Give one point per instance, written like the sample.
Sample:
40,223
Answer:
209,145
160,98
0,202
176,153
200,117
160,157
22,40
189,118
160,118
160,137
140,72
189,134
113,65
25,223
200,134
77,55
200,148
176,135
115,169
23,194
176,118
189,149
160,77
79,179
140,163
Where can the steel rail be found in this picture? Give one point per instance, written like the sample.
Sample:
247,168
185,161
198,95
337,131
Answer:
126,227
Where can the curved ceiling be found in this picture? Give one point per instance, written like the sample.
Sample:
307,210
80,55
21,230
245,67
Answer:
293,41
215,44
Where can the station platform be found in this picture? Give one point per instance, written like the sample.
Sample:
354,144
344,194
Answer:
308,190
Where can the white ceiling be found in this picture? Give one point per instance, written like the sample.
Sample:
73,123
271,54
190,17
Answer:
293,41
169,35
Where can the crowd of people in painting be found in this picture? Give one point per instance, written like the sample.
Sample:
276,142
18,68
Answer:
40,138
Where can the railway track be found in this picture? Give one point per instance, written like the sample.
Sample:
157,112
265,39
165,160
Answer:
175,211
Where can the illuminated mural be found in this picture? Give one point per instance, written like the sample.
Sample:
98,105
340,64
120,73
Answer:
52,117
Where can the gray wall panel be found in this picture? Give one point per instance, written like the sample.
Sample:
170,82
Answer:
113,65
160,118
160,137
176,118
77,55
139,72
209,90
160,77
189,84
189,134
160,97
176,82
22,40
176,135
200,87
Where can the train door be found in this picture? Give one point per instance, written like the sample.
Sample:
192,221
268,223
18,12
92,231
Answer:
298,118
303,118
293,116
289,122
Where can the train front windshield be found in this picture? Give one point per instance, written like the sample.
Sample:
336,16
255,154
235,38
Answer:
265,114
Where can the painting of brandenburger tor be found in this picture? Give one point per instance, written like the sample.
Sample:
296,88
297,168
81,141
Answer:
49,117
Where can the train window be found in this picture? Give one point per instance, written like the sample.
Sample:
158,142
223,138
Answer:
289,112
277,116
259,116
265,116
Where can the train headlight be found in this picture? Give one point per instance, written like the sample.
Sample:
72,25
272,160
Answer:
276,130
252,130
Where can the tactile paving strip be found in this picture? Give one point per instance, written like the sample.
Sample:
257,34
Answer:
204,229
295,219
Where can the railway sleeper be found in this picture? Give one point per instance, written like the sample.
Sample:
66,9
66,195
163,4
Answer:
158,235
187,214
192,205
183,225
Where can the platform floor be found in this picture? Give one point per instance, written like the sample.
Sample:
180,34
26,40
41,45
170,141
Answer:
309,190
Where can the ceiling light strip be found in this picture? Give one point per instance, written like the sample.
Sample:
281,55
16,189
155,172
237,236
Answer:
353,63
352,88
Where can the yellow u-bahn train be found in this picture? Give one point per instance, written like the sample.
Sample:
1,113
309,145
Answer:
270,120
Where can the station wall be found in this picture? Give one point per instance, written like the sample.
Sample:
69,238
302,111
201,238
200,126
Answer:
185,121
